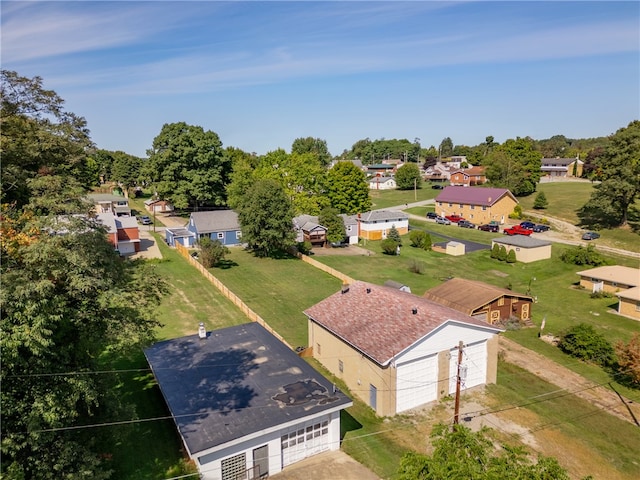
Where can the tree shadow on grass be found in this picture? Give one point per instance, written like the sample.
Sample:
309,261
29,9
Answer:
226,264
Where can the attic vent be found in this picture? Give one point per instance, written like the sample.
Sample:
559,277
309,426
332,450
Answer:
489,199
202,332
368,290
414,310
345,289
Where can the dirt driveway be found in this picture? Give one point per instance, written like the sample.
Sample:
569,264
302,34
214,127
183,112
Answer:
335,465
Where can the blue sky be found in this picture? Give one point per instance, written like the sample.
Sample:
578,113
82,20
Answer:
261,74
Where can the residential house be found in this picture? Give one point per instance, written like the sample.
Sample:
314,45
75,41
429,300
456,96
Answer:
438,173
122,232
492,304
468,177
382,183
624,282
397,351
309,230
380,169
375,225
245,405
397,285
527,249
562,167
108,203
456,161
155,205
181,235
350,228
477,204
221,225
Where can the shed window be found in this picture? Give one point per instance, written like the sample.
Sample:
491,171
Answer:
501,301
238,235
234,466
220,236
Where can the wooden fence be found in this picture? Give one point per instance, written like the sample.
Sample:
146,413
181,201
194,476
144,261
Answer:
324,268
253,316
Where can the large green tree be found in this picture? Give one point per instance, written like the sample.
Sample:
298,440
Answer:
126,169
619,169
69,304
461,453
347,189
266,219
188,167
334,224
515,165
315,146
408,177
38,137
446,147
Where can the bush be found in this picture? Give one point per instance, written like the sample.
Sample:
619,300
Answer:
417,238
417,267
388,246
540,202
427,242
212,252
304,247
511,256
517,212
583,256
394,235
502,253
495,251
583,342
629,360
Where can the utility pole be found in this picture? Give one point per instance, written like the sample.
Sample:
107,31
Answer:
456,412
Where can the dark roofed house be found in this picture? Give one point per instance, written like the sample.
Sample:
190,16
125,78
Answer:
396,350
477,204
309,230
481,300
244,403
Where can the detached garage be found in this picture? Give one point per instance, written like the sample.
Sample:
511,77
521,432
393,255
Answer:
244,404
398,351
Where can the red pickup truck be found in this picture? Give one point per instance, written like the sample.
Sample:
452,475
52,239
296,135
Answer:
517,230
454,218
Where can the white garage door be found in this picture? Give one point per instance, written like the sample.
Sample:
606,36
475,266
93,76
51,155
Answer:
417,382
126,248
473,369
304,441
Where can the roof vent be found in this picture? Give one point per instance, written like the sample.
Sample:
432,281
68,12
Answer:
368,290
345,289
202,332
414,310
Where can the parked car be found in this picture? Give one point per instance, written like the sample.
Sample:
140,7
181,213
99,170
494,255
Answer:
517,230
528,225
466,224
454,218
540,228
489,227
432,215
342,244
590,236
144,220
443,221
437,187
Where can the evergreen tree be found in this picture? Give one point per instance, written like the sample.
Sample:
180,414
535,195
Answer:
394,235
502,253
511,256
540,203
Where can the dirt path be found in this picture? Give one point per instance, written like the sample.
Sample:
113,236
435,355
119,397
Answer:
602,396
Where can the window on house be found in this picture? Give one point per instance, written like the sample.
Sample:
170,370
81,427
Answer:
501,302
220,236
451,204
238,235
637,306
460,205
484,207
472,207
318,349
439,204
340,366
233,467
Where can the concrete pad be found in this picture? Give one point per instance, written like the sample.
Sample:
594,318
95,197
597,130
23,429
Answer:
331,465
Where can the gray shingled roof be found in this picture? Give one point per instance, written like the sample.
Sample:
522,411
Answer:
383,215
557,161
473,195
379,321
522,241
238,381
215,221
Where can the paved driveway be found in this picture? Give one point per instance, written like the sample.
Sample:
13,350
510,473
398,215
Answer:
469,246
335,465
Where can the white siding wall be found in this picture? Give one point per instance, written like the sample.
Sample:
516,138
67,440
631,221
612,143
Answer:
473,368
209,464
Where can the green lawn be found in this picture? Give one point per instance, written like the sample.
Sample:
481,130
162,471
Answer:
390,198
565,198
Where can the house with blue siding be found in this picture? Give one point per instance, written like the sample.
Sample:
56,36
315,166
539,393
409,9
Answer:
221,225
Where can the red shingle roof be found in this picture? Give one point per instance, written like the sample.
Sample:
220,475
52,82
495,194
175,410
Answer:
473,195
379,321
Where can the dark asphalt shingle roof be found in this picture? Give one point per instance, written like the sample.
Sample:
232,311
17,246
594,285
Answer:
383,215
522,241
226,386
380,323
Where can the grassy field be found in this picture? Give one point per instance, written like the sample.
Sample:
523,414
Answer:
389,198
565,199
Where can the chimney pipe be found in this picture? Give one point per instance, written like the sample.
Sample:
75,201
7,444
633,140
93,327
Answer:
202,332
414,310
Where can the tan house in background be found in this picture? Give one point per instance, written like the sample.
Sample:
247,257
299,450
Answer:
623,281
375,225
562,167
397,351
527,249
476,204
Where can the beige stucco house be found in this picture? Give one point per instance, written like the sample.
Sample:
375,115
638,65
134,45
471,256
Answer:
624,282
477,204
527,249
397,351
